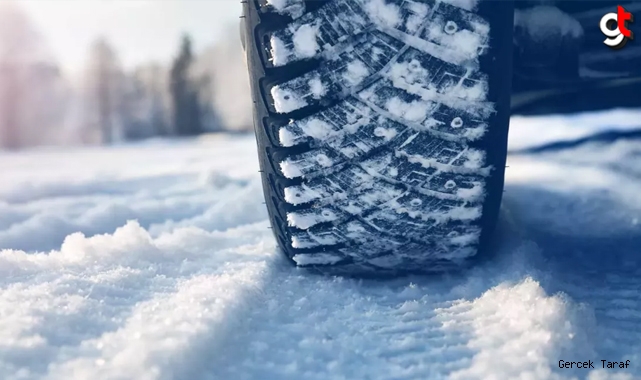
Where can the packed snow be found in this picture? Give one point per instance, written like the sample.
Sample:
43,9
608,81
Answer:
286,100
383,13
293,8
156,261
305,44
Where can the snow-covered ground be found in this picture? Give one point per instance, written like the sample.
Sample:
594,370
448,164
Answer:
155,261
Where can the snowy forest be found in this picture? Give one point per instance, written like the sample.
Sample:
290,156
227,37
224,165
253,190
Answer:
40,104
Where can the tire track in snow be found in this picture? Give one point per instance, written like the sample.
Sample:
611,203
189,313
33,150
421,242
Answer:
455,327
588,236
596,263
172,336
127,305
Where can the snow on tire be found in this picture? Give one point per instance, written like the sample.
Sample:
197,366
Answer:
381,127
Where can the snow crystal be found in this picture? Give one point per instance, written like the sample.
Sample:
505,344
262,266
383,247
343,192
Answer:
303,221
476,92
279,4
386,14
307,220
465,239
410,76
475,158
279,52
165,193
296,195
317,88
413,23
454,56
376,53
458,213
305,43
316,259
353,209
324,161
455,213
409,73
471,166
475,133
286,137
386,133
294,8
356,72
418,8
350,151
311,240
317,128
419,13
416,111
378,196
529,327
311,127
471,194
286,100
110,305
464,42
290,169
468,5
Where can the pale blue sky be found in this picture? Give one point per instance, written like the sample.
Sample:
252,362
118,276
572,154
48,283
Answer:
141,30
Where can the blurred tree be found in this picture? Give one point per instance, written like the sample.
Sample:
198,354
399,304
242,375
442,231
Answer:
187,113
145,103
32,93
10,96
205,76
210,118
153,79
224,63
104,91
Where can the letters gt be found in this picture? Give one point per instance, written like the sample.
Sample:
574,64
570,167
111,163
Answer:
619,36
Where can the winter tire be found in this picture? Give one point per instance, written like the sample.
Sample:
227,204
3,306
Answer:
381,128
